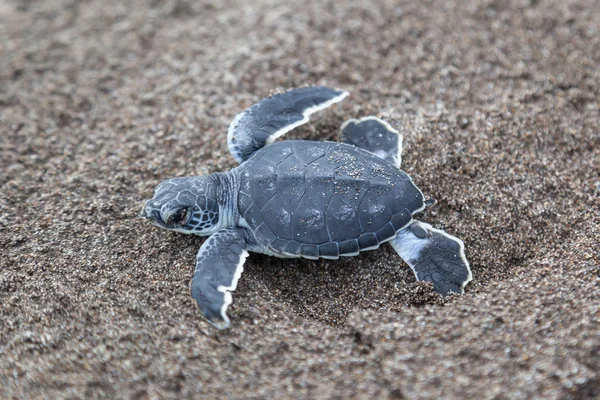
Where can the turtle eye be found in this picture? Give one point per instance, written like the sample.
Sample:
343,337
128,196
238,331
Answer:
179,217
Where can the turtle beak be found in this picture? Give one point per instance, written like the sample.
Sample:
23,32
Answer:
151,213
146,211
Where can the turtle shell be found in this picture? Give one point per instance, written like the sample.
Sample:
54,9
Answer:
323,199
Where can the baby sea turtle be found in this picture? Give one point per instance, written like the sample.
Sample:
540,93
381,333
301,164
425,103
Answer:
300,198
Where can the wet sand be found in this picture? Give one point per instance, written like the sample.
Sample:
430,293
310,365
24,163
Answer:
498,104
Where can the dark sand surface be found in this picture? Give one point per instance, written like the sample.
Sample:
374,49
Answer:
101,100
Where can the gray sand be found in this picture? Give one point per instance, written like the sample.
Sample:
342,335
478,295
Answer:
100,101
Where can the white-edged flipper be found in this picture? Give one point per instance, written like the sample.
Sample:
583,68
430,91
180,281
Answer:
375,135
274,116
219,265
434,256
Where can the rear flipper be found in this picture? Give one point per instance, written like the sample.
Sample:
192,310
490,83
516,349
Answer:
375,135
434,256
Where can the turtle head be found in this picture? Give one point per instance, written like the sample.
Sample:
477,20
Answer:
187,205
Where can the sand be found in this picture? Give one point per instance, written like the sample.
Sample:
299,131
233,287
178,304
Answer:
499,106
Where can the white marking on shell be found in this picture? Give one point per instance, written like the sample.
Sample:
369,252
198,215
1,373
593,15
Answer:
350,254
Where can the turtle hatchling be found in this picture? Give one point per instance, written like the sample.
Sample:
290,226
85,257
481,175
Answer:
300,198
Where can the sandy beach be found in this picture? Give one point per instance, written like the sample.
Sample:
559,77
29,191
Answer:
499,106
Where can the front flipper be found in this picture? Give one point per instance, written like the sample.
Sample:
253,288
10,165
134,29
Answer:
434,256
219,265
274,116
374,135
